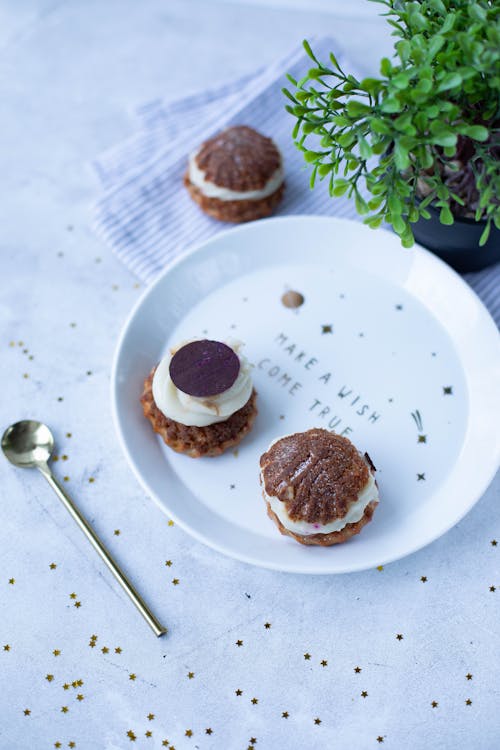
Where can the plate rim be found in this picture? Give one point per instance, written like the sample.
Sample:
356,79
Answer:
206,540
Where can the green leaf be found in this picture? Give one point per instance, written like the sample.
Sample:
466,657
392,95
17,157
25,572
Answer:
309,51
476,12
364,148
372,85
485,234
379,126
361,204
401,156
313,177
324,169
435,44
450,81
401,80
445,216
357,109
403,49
391,105
385,67
449,23
398,223
477,132
373,221
407,238
340,187
312,156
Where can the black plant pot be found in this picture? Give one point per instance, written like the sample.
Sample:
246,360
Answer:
458,244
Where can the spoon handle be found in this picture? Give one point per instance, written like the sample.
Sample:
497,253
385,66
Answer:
157,628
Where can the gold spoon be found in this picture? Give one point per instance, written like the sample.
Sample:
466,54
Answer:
29,444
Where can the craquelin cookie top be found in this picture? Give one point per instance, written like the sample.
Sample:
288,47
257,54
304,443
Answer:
317,474
238,158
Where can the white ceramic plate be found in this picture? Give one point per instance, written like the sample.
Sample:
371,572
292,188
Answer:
391,347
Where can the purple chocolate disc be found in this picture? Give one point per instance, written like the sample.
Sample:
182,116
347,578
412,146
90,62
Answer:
204,368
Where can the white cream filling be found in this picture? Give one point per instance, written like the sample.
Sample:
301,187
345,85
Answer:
355,512
200,412
211,190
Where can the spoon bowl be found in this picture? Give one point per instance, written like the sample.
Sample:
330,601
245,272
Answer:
28,443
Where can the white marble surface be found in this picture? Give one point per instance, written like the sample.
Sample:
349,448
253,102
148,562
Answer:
71,75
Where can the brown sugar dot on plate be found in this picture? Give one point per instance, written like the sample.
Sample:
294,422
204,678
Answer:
292,299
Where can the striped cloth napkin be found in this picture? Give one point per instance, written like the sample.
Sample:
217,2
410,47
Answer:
146,215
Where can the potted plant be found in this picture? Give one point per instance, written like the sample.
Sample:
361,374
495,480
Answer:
419,146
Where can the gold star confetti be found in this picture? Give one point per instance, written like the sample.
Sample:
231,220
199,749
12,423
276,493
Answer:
422,438
253,740
317,721
326,329
380,568
52,566
116,532
188,733
239,692
57,744
364,694
71,744
64,457
468,702
25,376
165,743
92,644
493,542
175,581
91,480
80,697
6,647
254,701
49,677
190,675
468,676
131,736
78,605
64,709
27,712
423,579
65,686
170,523
118,650
74,684
79,682
72,596
12,581
492,588
105,650
380,739
132,676
357,670
447,390
148,733
150,717
324,663
399,636
285,714
93,637
239,643
307,656
168,563
434,704
208,730
66,479
420,477
56,652
267,625
68,435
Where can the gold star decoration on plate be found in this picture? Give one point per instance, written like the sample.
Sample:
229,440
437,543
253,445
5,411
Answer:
57,744
72,596
52,566
175,581
56,652
64,709
49,677
118,650
324,663
150,717
327,328
12,581
380,568
190,675
66,686
357,670
188,733
468,702
132,676
380,739
71,744
468,676
399,636
267,625
148,733
239,643
79,697
27,712
116,532
492,588
307,656
208,730
317,721
6,647
434,704
131,736
285,714
493,542
168,563
364,694
447,390
423,579
105,650
254,701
